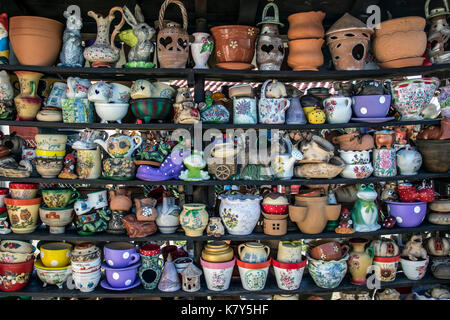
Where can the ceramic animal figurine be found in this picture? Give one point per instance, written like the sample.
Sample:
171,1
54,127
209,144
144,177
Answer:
384,138
142,50
365,211
345,223
71,54
4,44
69,167
186,111
215,227
438,33
414,249
138,229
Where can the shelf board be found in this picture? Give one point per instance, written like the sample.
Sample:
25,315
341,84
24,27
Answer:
223,126
42,233
420,176
307,286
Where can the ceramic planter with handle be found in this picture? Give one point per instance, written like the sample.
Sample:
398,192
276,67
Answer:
386,268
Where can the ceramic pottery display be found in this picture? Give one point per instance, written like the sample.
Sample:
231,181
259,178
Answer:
56,218
244,111
103,53
191,278
201,49
360,260
71,54
365,211
235,46
272,110
119,168
152,265
269,45
400,42
194,219
433,151
384,162
53,276
23,214
172,40
239,212
437,34
15,276
338,109
168,214
4,41
327,274
36,41
218,274
253,275
407,214
289,275
28,102
348,40
253,252
169,279
311,214
386,268
217,251
409,160
289,252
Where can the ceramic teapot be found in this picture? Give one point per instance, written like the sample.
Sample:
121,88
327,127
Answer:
283,164
120,145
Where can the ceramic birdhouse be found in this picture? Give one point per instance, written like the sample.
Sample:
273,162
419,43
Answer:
348,40
190,278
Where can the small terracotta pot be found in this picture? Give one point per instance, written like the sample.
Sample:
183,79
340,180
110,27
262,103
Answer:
306,25
400,25
305,54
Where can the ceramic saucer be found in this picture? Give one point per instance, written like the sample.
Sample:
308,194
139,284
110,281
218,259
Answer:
235,65
373,120
106,285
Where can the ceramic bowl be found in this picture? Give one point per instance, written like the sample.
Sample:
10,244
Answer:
23,214
151,108
23,190
15,276
371,106
407,214
16,246
414,270
357,171
86,266
355,157
275,208
48,168
13,257
56,219
55,254
111,111
55,276
327,274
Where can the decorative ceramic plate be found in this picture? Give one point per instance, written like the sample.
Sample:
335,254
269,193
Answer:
106,285
373,120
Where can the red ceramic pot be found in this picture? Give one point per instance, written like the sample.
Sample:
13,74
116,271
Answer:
275,208
23,190
407,193
174,251
150,249
15,276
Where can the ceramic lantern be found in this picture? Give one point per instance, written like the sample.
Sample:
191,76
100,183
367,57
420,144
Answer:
269,47
173,41
191,278
438,33
348,40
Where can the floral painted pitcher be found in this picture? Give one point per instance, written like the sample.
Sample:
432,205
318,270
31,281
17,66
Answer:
272,110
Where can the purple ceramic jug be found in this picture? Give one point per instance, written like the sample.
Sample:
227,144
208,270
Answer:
120,254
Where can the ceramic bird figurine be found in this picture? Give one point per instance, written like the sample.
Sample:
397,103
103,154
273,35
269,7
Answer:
71,54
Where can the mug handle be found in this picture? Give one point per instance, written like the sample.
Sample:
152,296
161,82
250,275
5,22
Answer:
134,258
345,249
288,104
240,248
267,249
75,196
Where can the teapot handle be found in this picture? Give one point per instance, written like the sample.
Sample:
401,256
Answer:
138,141
263,89
118,26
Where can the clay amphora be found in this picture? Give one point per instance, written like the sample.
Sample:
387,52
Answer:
312,213
360,260
306,25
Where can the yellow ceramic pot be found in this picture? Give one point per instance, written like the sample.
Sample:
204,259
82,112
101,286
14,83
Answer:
217,251
316,116
194,219
50,154
23,214
59,198
55,254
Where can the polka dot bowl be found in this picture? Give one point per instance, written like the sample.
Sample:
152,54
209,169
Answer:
121,277
55,254
407,214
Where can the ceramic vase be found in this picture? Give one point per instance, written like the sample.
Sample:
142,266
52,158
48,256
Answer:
168,219
201,49
152,265
239,212
28,102
89,163
409,161
360,260
194,219
103,53
384,162
295,114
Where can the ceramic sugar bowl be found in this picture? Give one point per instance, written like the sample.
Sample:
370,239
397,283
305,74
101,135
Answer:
338,109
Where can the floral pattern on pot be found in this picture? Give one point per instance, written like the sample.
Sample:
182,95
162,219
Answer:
255,279
239,212
244,111
386,268
218,275
289,275
327,274
384,163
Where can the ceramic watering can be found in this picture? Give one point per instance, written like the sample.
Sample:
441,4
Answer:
120,145
283,164
272,110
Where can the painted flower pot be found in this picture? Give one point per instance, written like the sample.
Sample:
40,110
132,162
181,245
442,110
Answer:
407,214
23,214
371,106
244,110
240,213
218,274
384,162
327,274
89,163
148,109
120,255
253,275
23,190
15,276
410,96
56,219
355,157
53,276
386,268
414,270
194,219
121,277
289,275
55,254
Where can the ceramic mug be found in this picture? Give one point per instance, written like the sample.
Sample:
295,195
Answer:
384,162
77,87
100,92
57,93
120,254
59,198
272,111
244,111
120,93
328,251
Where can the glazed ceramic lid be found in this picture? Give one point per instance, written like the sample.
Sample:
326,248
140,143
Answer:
348,22
275,198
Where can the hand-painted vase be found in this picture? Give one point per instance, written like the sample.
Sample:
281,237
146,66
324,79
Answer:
28,102
152,264
194,219
201,49
360,260
384,162
409,160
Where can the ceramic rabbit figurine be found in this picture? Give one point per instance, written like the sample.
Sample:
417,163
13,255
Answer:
143,32
71,54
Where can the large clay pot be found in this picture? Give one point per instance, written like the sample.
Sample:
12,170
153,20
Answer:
305,54
312,213
28,102
172,41
360,260
306,25
434,152
35,40
194,219
235,46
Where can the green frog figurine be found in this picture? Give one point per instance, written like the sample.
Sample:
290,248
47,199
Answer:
365,211
194,164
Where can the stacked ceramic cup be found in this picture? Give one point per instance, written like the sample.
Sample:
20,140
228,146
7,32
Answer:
111,100
86,264
54,267
50,152
57,210
121,265
254,262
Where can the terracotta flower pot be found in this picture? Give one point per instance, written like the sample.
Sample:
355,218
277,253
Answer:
400,24
306,25
35,40
400,45
235,46
305,54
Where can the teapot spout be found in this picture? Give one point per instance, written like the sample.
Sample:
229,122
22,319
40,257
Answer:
102,144
332,211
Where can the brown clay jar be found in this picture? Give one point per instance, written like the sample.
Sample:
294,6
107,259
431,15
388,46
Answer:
305,54
138,229
120,200
306,25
